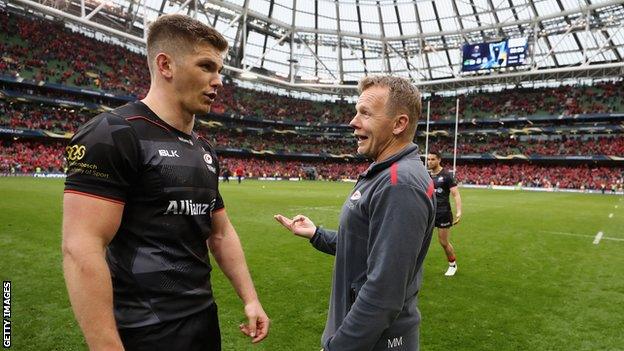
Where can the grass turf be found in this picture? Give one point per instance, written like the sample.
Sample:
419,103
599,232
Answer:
529,276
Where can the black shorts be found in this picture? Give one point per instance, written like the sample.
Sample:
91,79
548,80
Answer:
197,332
443,218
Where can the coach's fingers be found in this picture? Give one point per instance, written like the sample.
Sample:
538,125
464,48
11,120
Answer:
286,222
457,219
299,218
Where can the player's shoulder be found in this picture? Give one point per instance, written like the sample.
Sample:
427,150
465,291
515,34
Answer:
205,143
446,173
103,124
135,113
121,115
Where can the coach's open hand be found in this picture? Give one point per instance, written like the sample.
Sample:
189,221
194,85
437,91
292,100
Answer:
300,225
258,327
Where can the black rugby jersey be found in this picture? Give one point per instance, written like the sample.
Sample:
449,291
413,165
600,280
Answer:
168,181
443,182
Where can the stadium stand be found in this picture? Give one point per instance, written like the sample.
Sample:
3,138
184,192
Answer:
296,134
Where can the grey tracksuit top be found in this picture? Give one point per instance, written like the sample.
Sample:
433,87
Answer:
382,239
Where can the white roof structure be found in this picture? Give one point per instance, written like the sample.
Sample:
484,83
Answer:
328,45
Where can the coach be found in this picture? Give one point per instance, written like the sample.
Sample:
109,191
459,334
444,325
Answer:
385,227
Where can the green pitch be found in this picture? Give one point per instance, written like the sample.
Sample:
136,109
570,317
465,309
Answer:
529,276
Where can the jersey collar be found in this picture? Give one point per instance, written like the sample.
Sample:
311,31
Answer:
374,168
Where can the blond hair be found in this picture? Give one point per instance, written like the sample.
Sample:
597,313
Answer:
403,97
180,34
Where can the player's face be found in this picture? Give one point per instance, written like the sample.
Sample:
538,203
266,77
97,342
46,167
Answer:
373,127
432,161
198,78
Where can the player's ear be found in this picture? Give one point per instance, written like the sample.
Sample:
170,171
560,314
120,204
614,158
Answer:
164,65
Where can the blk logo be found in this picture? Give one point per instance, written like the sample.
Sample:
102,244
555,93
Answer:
168,153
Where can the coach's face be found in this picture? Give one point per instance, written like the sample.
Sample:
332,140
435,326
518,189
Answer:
373,127
197,78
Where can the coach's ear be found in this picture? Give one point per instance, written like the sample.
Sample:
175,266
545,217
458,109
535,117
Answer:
400,124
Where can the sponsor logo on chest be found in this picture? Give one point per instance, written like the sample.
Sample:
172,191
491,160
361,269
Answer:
189,208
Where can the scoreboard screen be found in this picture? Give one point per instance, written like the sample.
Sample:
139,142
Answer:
498,54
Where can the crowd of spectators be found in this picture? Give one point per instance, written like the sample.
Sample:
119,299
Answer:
531,175
324,170
65,119
560,146
29,157
287,143
605,97
44,50
41,116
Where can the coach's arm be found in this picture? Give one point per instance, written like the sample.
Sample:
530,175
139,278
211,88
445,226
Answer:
89,224
228,252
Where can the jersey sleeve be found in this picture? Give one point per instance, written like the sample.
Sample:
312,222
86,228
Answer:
451,180
103,159
325,240
219,204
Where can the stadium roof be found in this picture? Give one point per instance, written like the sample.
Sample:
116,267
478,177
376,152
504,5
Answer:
330,44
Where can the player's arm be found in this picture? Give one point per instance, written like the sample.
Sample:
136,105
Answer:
89,224
392,265
458,204
228,252
322,239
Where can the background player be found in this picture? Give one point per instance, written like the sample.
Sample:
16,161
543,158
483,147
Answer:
445,184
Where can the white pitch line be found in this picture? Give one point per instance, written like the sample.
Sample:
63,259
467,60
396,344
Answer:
597,238
581,235
610,215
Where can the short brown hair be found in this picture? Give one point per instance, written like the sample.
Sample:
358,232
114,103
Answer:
180,33
404,97
436,154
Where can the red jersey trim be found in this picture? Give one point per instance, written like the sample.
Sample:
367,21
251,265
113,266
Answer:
393,174
430,190
95,196
147,119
